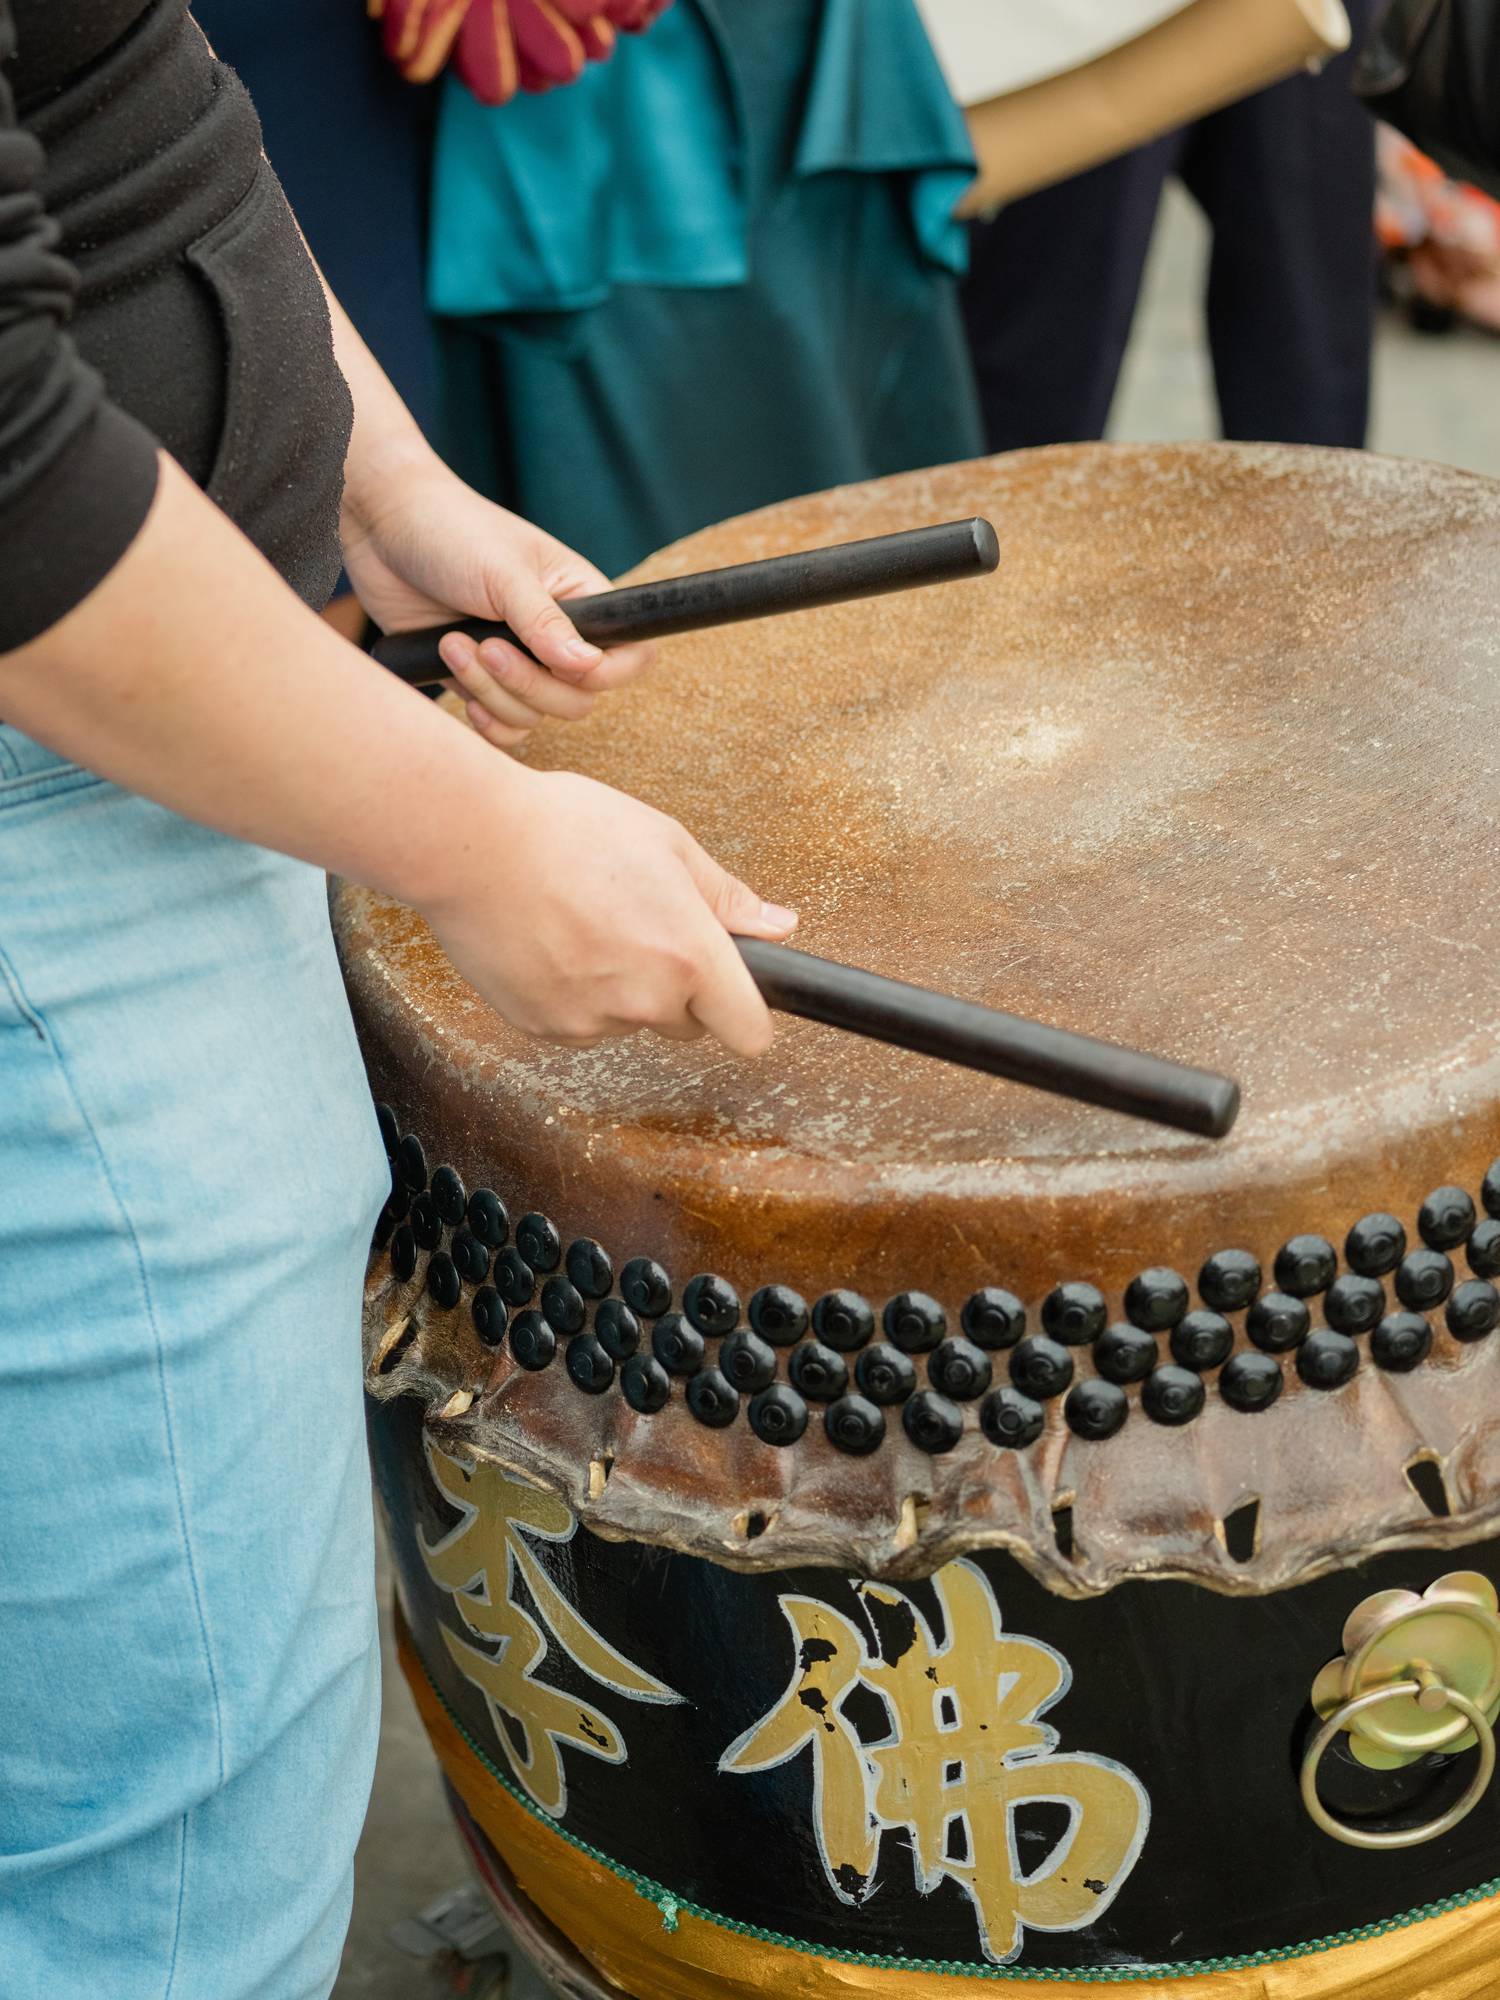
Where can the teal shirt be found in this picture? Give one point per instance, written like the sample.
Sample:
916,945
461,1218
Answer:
642,172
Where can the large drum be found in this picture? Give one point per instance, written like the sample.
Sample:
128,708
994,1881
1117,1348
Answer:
867,1529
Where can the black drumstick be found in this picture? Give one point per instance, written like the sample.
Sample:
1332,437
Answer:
958,1031
797,582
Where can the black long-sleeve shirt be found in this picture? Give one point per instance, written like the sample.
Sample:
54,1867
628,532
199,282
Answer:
153,289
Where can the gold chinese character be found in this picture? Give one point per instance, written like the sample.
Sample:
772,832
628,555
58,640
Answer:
478,1561
963,1748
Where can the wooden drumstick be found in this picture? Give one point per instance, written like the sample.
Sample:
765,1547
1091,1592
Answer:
959,1031
799,582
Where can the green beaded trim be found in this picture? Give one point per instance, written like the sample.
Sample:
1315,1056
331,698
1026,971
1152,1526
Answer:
672,1907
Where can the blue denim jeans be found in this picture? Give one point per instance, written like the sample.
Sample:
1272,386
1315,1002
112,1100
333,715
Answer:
189,1173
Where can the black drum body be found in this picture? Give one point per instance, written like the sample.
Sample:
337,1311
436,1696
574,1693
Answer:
963,1771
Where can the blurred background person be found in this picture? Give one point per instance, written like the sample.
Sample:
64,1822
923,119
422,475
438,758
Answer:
1286,178
719,269
351,143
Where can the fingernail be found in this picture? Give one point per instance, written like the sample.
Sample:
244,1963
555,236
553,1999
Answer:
582,651
778,918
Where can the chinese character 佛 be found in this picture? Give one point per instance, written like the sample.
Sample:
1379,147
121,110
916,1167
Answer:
964,1745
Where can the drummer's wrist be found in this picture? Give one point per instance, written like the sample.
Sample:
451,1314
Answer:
479,803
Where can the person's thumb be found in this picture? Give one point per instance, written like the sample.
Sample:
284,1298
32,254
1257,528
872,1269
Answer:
734,903
544,628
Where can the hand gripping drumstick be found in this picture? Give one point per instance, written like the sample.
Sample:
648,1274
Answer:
726,596
864,1003
958,1031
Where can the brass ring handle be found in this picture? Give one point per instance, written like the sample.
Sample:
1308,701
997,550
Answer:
1413,1836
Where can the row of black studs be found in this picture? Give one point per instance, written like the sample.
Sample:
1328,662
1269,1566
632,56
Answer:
959,1369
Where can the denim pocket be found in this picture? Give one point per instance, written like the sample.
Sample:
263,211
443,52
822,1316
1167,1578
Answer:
29,772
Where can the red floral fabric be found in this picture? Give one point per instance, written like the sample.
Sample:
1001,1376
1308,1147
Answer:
498,47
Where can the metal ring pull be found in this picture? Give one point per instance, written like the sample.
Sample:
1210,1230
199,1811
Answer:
1413,1836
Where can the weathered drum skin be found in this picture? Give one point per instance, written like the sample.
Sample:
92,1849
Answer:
837,1550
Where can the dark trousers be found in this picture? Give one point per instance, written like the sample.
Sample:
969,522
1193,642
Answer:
1287,181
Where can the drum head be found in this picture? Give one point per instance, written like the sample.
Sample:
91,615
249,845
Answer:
1208,767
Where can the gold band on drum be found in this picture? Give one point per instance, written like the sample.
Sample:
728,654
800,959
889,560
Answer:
1414,1836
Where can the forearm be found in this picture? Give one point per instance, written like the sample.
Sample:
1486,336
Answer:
194,676
387,443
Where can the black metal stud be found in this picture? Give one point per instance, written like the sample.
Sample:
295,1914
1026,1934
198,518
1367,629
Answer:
854,1425
748,1361
1474,1310
645,1383
1352,1305
1326,1359
1172,1395
1250,1382
1040,1367
778,1415
538,1242
443,1282
425,1225
1375,1245
843,1320
488,1219
779,1314
490,1315
1483,1250
515,1280
885,1374
1075,1314
1096,1409
1278,1322
676,1345
1305,1266
449,1196
588,1267
411,1163
645,1287
1204,1340
993,1318
1489,1192
1445,1219
1156,1299
712,1304
470,1255
532,1341
817,1372
914,1322
1401,1340
1424,1280
385,1225
563,1307
1125,1353
404,1252
589,1366
616,1329
1229,1280
712,1399
390,1131
1010,1420
933,1424
958,1369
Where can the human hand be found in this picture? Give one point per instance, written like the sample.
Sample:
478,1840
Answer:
627,926
433,548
